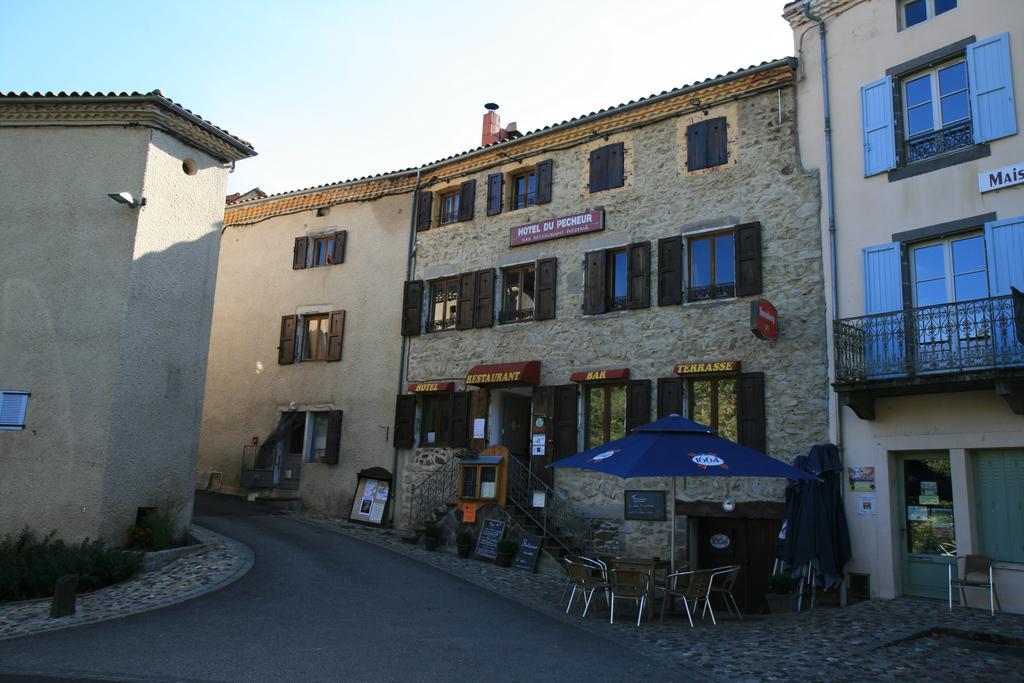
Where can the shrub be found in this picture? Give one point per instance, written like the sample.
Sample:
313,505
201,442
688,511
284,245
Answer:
432,531
157,530
464,537
507,545
29,565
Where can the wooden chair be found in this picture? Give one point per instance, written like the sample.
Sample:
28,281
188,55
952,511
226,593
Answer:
629,584
692,587
977,576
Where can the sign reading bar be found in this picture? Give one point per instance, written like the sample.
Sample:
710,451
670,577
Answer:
490,534
566,226
649,505
998,178
707,368
527,553
598,375
764,320
429,387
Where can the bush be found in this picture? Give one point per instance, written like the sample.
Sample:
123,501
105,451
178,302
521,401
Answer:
464,538
432,531
157,531
507,545
29,565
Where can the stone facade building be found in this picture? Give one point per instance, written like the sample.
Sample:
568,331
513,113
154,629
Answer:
593,275
105,313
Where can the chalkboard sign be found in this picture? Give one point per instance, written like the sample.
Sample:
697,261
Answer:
649,505
528,553
487,541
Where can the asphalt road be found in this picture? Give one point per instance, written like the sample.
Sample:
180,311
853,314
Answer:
321,606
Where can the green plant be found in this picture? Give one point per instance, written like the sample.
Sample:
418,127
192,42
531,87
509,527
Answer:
506,545
30,565
432,531
158,530
463,537
781,584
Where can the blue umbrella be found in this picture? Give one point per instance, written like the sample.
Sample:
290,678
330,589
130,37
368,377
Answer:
676,447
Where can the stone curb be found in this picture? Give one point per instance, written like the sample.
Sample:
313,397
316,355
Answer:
228,559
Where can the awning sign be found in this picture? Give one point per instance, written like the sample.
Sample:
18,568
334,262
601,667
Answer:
430,387
599,375
998,178
505,373
707,368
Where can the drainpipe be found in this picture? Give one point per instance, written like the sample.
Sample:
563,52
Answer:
402,366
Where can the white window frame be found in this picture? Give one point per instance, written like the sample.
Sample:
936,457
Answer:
947,265
15,397
929,12
936,101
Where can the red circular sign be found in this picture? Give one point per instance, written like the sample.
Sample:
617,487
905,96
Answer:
764,320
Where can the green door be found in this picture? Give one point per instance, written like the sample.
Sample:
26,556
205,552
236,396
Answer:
926,523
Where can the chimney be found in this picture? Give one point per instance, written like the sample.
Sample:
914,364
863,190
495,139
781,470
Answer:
492,126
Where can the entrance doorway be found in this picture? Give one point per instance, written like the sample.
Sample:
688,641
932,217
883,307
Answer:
515,424
747,542
292,446
926,522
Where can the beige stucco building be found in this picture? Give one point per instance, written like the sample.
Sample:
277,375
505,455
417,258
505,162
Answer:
105,307
924,189
304,352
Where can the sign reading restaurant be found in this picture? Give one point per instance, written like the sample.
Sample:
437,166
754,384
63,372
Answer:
998,178
566,226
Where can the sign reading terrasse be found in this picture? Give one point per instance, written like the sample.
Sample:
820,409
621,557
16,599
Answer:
707,368
998,178
566,226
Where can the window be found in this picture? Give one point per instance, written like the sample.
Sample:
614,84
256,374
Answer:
706,144
712,267
617,278
318,447
712,402
444,297
915,11
449,206
322,249
314,337
524,189
605,413
435,423
607,168
936,112
13,405
518,288
311,337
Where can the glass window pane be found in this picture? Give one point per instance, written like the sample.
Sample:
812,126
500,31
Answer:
319,436
928,493
944,6
920,120
931,292
953,78
918,91
701,402
929,262
453,299
528,285
969,254
725,264
488,482
595,416
469,482
620,271
727,424
971,286
442,422
700,263
511,290
954,108
914,12
437,296
617,419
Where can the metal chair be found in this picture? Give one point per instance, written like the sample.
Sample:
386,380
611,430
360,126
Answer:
629,584
587,576
977,576
690,587
726,579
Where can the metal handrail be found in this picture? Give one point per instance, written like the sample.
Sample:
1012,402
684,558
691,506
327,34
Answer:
557,519
439,488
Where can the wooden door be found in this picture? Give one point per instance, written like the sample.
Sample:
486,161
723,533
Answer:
749,543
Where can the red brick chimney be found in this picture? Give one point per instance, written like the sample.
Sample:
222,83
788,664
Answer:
493,131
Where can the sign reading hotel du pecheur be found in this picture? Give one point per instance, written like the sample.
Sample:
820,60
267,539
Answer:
566,226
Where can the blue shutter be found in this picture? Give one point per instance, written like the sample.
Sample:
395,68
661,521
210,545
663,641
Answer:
998,486
1004,241
885,352
879,129
883,279
991,85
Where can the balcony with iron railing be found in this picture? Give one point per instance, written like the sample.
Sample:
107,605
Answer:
958,346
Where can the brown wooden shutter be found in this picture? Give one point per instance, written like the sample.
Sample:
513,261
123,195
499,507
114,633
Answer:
598,169
464,310
670,271
594,282
751,411
405,421
337,254
717,142
483,303
748,259
333,446
478,409
412,308
697,146
299,253
545,171
460,419
467,198
335,335
424,208
286,345
670,396
494,182
616,175
638,403
638,288
547,288
564,430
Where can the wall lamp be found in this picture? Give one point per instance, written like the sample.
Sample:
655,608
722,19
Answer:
127,199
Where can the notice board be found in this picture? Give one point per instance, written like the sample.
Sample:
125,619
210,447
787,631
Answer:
371,500
487,541
648,505
527,553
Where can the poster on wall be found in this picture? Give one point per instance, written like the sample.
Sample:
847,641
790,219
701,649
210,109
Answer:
371,500
862,478
867,504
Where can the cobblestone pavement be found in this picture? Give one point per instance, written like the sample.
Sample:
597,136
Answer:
220,563
878,639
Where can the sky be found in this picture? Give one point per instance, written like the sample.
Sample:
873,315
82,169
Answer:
330,91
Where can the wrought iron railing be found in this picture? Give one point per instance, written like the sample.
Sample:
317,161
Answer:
515,315
440,325
721,290
933,143
437,490
947,338
557,519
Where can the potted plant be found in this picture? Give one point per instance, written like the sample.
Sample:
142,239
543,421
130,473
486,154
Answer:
506,550
431,537
782,594
464,543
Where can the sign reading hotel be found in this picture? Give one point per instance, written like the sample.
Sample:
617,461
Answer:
707,368
430,387
566,226
998,178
